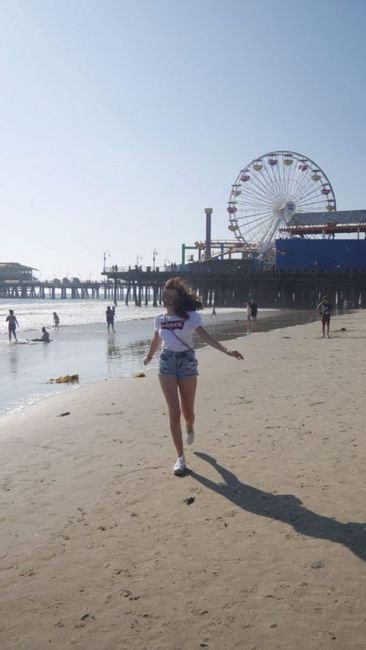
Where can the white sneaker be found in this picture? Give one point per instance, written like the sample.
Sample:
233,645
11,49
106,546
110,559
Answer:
190,437
180,466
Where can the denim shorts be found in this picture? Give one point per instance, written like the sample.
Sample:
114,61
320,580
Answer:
178,364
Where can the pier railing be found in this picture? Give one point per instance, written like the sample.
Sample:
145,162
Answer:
167,268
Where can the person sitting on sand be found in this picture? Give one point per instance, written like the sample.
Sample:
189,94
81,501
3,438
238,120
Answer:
325,308
45,337
12,324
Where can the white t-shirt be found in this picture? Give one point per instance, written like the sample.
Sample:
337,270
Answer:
183,329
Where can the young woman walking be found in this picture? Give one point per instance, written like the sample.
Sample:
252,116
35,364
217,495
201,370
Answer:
178,365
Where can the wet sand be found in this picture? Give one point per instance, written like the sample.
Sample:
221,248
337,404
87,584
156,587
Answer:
261,546
95,355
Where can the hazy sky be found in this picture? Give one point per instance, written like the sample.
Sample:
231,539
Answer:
121,120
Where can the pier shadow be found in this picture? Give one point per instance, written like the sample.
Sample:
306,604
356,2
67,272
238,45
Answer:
284,507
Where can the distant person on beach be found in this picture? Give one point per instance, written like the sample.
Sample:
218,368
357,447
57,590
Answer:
109,315
254,310
12,324
249,310
213,313
56,321
45,338
178,365
325,309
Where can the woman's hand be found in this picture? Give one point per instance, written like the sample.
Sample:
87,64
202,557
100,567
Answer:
205,336
234,353
153,347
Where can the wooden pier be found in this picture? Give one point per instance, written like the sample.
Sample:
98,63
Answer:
231,283
35,289
223,283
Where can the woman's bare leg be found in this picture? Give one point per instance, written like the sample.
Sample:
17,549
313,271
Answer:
187,390
169,386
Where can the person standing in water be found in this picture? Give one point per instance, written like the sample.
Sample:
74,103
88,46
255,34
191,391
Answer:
178,364
12,324
249,311
254,310
109,315
56,321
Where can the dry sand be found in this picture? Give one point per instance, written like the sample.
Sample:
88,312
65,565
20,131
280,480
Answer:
100,551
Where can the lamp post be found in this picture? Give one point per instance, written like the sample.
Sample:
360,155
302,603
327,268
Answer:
208,212
155,253
105,259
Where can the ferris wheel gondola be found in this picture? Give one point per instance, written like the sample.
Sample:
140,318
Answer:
270,190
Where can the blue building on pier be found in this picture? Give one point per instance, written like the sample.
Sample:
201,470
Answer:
312,244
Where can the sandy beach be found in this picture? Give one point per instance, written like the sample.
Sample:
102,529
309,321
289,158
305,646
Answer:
261,546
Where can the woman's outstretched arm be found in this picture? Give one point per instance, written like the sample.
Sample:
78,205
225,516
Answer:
153,347
210,340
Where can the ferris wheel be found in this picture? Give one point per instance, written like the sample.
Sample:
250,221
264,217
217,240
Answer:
270,190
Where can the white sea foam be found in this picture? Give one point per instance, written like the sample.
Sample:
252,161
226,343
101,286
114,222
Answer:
34,314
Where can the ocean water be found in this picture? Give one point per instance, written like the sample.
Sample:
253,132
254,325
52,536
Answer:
83,346
34,314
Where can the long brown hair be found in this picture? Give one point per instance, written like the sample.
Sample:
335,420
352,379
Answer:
187,299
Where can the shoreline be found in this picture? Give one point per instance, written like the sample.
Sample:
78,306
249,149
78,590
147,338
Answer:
97,356
100,549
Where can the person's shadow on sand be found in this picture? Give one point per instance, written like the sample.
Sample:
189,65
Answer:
284,507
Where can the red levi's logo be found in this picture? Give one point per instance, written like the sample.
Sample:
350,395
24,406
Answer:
172,325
